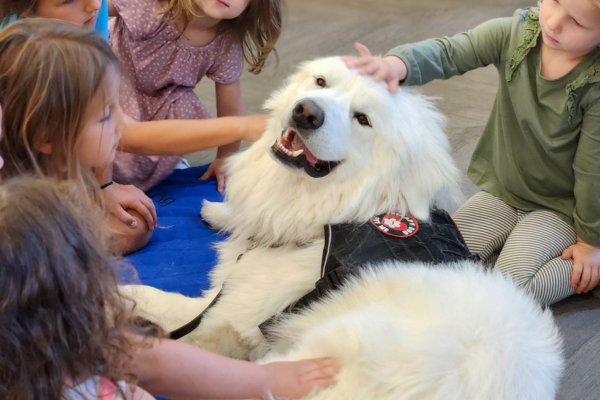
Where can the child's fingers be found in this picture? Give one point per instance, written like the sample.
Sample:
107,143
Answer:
362,50
369,69
357,62
150,206
208,173
594,279
144,212
392,85
321,367
125,217
324,376
586,274
220,183
567,253
576,274
152,209
381,74
324,382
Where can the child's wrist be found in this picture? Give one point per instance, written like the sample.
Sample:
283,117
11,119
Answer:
398,66
581,241
264,382
107,184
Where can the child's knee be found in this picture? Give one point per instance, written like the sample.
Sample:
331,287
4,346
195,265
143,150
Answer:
126,240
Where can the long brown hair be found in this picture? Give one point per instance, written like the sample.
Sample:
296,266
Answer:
49,73
9,8
257,28
61,316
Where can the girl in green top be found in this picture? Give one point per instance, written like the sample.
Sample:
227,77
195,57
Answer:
537,218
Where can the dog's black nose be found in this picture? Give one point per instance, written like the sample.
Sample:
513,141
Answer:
308,115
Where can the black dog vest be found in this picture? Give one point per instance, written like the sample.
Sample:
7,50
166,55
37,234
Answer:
350,247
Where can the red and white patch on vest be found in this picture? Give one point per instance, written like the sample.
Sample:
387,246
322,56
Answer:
396,225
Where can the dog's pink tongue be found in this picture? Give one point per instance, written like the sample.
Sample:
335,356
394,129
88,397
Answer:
298,144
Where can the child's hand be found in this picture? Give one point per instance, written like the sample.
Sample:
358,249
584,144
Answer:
216,169
389,69
254,127
118,198
294,380
586,265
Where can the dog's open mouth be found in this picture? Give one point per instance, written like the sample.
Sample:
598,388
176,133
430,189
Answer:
291,150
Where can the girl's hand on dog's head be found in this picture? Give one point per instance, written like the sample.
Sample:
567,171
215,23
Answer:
390,69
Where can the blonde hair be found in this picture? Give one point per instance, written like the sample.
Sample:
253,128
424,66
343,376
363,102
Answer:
596,3
257,28
49,73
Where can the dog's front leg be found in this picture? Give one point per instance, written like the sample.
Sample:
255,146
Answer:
168,310
216,215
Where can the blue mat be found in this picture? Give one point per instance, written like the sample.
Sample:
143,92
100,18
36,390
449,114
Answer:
180,253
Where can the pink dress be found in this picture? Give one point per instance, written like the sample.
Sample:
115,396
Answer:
159,73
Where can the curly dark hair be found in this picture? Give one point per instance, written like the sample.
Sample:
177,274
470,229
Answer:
61,316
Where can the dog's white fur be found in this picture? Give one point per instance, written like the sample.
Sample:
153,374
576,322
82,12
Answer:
402,331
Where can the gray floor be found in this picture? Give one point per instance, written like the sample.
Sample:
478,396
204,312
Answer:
316,28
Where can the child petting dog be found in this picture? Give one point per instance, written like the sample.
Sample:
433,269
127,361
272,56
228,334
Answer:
125,202
67,333
537,218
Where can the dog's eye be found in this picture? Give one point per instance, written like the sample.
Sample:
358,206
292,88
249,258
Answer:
321,82
362,119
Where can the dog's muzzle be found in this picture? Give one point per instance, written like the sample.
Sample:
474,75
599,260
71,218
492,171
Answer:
291,150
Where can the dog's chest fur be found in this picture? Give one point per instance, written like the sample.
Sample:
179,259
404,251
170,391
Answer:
265,281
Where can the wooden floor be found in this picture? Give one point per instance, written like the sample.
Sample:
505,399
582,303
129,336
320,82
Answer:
317,28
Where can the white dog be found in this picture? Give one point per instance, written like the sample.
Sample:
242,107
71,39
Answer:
340,149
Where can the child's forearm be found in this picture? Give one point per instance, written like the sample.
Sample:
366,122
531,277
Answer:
175,369
176,137
229,103
228,149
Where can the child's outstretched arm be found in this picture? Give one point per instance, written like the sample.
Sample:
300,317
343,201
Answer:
442,58
229,103
187,136
175,369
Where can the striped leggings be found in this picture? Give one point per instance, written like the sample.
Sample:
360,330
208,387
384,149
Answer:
525,245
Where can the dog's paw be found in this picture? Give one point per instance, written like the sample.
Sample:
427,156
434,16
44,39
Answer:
216,215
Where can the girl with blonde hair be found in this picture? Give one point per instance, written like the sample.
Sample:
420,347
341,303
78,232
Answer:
166,47
537,218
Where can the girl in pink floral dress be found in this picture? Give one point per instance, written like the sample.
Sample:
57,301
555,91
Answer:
167,47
